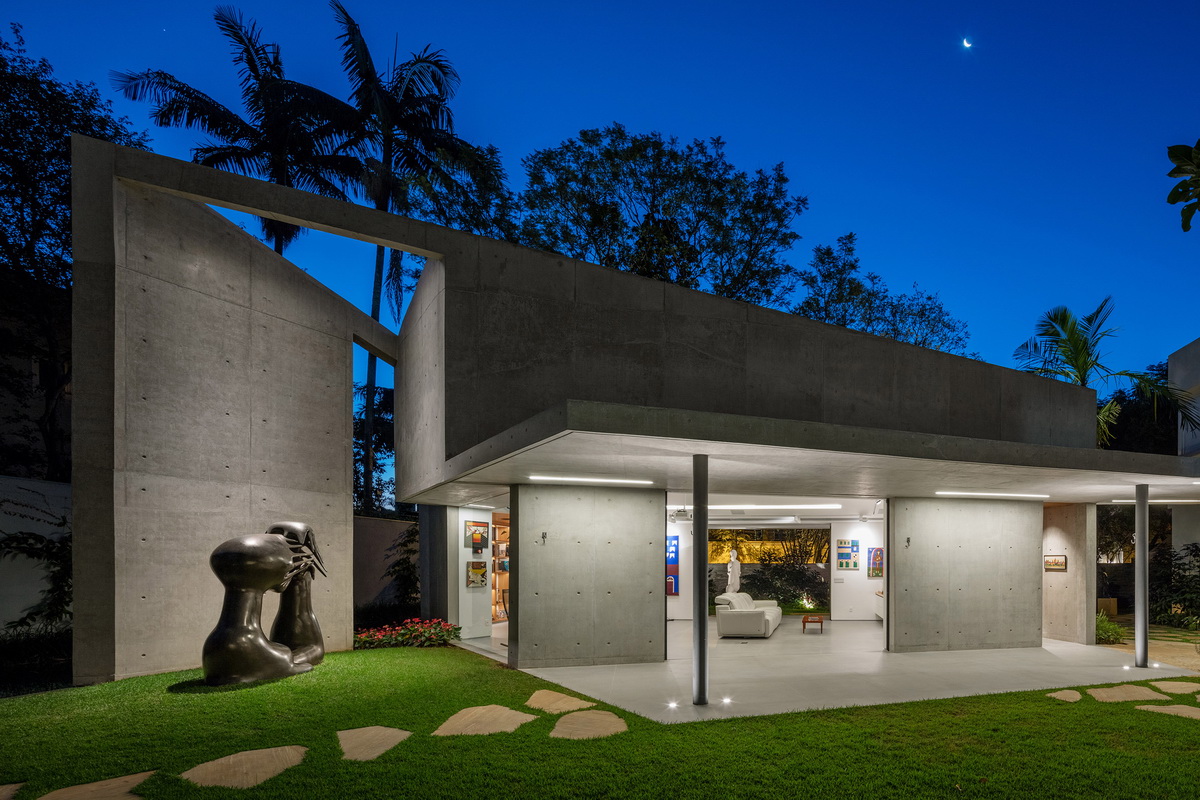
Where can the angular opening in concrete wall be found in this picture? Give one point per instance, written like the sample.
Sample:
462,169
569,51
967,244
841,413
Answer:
374,460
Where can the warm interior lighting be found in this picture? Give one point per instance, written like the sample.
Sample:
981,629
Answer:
561,479
993,494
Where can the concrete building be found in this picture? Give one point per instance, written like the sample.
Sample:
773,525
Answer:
564,406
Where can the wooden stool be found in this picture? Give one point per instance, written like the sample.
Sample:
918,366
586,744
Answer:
816,619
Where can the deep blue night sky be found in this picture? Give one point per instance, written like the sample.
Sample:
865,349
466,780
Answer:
1024,173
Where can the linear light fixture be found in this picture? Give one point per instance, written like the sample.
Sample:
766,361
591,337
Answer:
993,494
760,508
1157,501
476,505
562,479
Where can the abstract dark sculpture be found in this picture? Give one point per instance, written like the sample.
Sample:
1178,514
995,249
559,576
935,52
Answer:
281,560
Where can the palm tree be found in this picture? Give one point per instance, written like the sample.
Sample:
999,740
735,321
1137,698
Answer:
1067,347
292,134
408,150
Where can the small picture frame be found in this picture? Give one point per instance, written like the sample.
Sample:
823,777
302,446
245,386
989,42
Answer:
1054,563
476,574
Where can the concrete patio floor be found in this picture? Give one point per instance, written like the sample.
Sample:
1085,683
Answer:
844,666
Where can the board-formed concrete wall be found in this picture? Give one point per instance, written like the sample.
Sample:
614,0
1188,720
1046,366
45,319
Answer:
539,329
213,397
592,591
1069,598
965,574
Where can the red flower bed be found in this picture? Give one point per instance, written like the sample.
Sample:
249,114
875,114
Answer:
410,633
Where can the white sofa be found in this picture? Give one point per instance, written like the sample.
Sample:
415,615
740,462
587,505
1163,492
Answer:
739,615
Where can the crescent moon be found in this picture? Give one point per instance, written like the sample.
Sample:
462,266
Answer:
966,43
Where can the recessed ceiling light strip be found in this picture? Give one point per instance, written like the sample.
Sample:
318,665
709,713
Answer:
993,494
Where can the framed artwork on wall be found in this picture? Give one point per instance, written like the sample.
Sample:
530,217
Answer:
476,574
1055,563
847,553
673,566
475,535
874,562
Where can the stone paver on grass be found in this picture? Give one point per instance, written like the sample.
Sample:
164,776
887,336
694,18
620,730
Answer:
1191,712
9,789
1176,687
557,702
246,769
1070,695
593,724
1126,691
111,789
483,719
367,744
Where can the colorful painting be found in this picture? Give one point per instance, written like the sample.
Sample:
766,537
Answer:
847,553
476,535
673,566
1055,563
476,574
874,562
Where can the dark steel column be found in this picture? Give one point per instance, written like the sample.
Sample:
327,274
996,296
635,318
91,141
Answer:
1141,576
700,580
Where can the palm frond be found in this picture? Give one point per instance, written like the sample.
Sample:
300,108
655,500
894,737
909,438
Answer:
1106,418
176,104
365,83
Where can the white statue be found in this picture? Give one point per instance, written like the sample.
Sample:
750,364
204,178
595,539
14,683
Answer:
734,573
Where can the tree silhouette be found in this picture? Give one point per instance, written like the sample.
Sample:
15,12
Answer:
1067,347
292,134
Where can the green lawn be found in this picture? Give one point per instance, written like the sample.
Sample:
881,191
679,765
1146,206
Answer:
1015,745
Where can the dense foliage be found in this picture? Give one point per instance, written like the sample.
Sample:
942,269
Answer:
1107,631
1144,425
410,633
1175,587
789,575
38,112
838,293
653,206
1114,530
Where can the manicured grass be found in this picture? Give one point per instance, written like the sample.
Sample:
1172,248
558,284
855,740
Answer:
1015,745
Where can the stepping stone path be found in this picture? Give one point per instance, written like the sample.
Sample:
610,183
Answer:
1070,695
1191,712
1176,687
367,744
557,702
111,789
1126,691
593,724
246,769
252,767
483,719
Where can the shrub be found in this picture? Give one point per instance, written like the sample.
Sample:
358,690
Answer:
1107,631
35,658
410,633
1175,587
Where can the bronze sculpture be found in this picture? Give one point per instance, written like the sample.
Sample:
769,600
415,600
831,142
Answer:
282,560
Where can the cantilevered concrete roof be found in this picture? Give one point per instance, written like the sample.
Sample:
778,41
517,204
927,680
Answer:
788,457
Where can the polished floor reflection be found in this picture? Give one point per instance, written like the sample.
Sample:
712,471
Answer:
844,666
